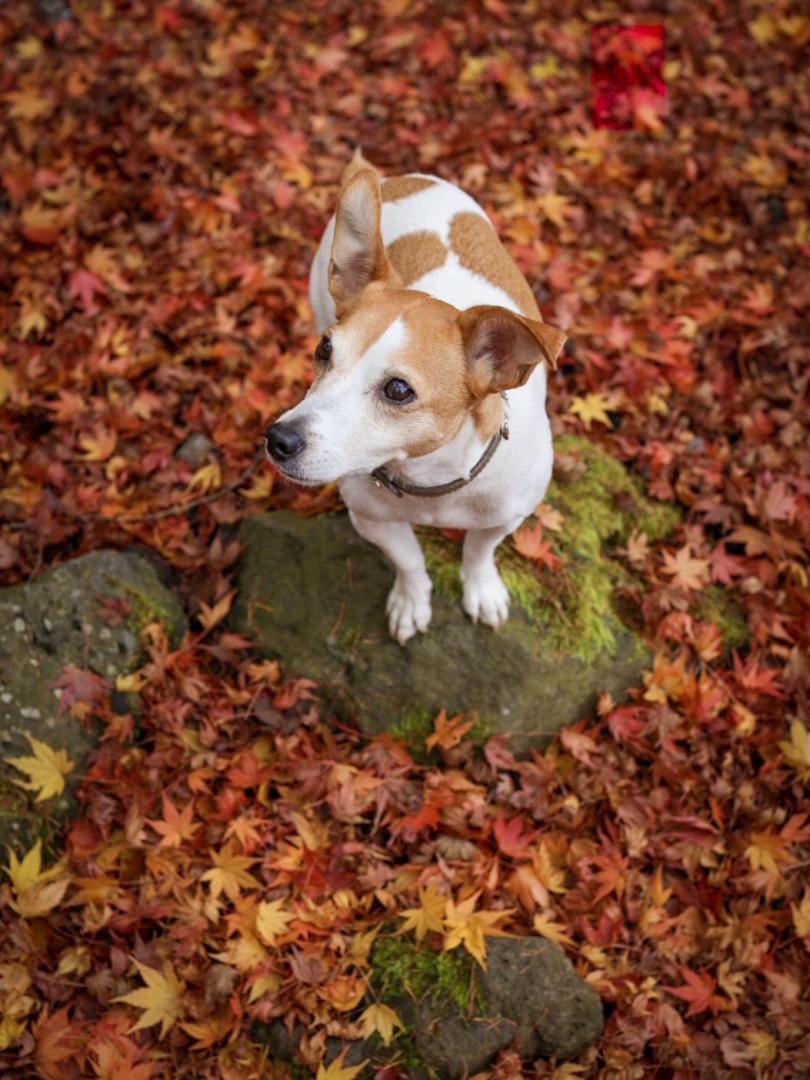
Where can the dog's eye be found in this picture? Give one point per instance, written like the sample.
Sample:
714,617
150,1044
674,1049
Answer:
399,391
323,350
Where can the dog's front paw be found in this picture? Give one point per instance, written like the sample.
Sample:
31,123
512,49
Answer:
486,600
408,608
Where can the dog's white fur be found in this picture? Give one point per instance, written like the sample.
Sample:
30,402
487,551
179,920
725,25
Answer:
349,432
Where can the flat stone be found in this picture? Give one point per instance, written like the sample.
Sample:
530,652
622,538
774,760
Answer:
312,592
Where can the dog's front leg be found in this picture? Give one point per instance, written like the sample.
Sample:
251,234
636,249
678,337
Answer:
408,604
485,598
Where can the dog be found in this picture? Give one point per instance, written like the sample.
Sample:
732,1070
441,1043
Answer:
427,404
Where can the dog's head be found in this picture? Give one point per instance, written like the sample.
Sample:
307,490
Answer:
398,372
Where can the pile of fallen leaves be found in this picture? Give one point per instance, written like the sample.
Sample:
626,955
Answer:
166,170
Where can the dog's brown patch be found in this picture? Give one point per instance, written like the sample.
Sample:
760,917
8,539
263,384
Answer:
399,187
478,249
415,254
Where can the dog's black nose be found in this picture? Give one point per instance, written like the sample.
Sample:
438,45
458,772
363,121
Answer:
283,442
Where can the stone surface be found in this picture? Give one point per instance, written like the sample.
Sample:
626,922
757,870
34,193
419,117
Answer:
313,593
458,1017
529,997
57,620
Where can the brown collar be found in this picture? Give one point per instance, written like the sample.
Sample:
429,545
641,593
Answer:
381,477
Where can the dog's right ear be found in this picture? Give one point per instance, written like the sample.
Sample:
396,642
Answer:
358,253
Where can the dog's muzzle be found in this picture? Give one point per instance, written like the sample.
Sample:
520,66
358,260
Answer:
283,442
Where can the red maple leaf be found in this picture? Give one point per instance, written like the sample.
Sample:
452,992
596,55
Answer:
78,684
510,835
83,285
698,990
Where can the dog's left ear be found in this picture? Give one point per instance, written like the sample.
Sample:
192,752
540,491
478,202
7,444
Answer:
358,253
502,348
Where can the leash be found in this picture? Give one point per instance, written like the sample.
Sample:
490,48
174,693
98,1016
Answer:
381,477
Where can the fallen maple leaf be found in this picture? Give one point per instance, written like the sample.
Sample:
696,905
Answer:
801,916
337,1070
176,826
796,750
593,407
528,541
466,926
379,1019
210,616
428,916
548,928
698,990
46,769
447,733
272,920
229,873
685,570
37,891
161,998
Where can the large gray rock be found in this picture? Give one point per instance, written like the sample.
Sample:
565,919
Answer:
529,997
313,593
65,618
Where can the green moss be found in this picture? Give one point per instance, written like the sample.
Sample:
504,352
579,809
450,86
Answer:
401,968
417,725
148,608
718,605
601,504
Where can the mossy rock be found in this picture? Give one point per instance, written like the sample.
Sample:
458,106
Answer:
45,625
457,1016
312,592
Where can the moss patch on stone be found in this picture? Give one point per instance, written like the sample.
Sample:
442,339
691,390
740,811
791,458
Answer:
402,968
417,724
601,504
719,606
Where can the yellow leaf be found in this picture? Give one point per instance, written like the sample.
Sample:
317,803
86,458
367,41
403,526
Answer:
271,920
801,915
46,768
208,478
765,172
98,446
546,927
132,683
466,926
762,28
29,47
245,953
554,207
428,916
260,487
762,1046
265,984
593,407
210,616
797,749
380,1020
161,998
75,960
26,105
229,873
336,1070
7,383
28,873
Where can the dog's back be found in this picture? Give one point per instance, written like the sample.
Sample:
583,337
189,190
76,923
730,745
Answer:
439,241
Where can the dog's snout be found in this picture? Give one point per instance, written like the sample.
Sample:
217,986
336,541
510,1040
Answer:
283,442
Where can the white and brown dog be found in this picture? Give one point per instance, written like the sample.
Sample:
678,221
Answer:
432,344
